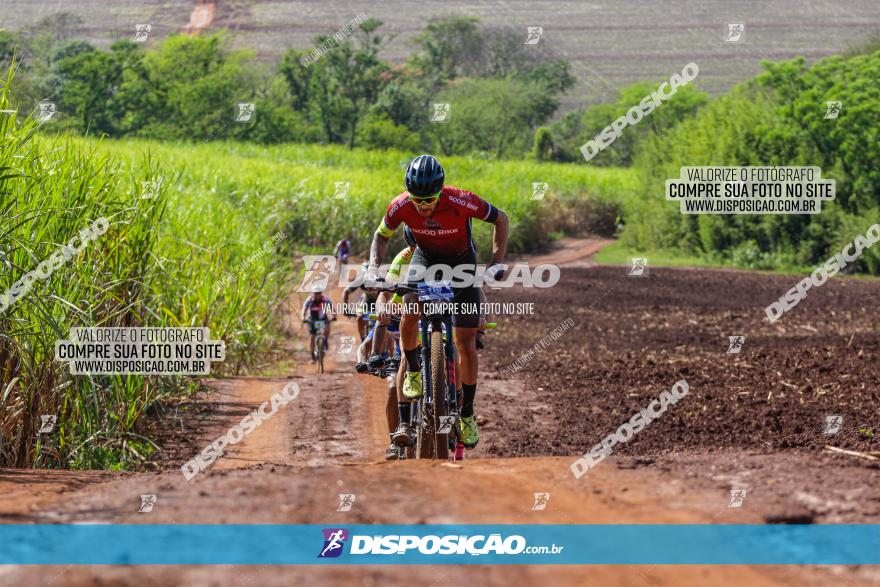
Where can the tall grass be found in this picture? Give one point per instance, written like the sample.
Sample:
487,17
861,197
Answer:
296,184
150,268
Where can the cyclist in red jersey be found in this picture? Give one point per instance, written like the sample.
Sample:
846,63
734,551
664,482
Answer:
440,219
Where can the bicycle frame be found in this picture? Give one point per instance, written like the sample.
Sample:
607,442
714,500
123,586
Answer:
429,324
423,416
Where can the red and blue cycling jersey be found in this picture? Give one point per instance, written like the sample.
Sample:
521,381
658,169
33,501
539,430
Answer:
447,231
318,309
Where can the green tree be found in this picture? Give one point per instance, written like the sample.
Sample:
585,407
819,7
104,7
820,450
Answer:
496,116
575,128
87,81
347,80
198,82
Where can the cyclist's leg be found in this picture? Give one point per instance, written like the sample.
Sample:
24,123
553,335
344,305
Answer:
466,348
363,351
391,411
409,328
362,326
380,332
403,433
311,327
466,322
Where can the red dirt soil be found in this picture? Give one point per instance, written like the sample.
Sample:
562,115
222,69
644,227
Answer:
633,338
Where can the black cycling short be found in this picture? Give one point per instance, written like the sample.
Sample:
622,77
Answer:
313,327
466,298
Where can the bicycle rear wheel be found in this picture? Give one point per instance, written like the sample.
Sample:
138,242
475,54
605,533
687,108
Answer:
423,414
319,342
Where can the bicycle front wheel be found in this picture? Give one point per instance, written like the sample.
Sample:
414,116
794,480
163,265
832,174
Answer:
438,394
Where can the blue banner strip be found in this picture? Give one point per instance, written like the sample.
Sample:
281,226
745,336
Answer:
271,544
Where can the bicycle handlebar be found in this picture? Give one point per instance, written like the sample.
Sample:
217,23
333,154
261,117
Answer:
487,325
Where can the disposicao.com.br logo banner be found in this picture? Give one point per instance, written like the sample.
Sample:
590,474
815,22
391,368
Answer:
457,544
446,543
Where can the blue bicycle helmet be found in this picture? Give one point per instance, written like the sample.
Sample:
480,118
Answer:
424,176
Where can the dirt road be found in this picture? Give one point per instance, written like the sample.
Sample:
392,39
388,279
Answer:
331,439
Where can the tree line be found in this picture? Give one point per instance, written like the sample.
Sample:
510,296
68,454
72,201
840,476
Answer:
499,90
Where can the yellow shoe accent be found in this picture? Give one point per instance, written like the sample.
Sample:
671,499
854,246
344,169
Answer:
412,385
470,436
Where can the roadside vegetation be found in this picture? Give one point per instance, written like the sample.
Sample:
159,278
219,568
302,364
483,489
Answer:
158,264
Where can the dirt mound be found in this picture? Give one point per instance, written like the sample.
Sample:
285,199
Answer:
634,337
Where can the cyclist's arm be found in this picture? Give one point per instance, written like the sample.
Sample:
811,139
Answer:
380,244
402,258
347,292
302,315
499,237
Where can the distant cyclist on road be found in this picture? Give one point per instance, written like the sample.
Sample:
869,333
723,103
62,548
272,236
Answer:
316,308
440,219
342,250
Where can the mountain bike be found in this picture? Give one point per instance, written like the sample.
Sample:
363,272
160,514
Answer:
320,329
434,416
